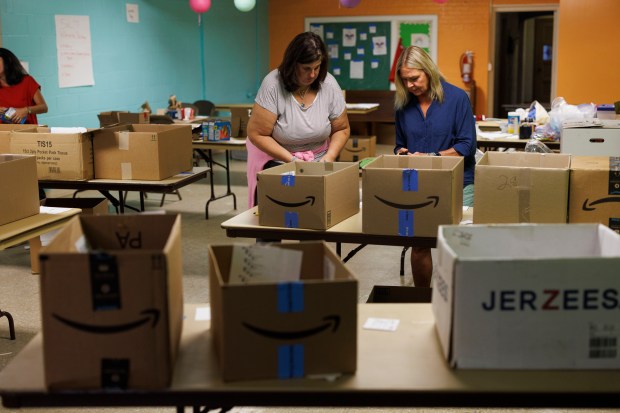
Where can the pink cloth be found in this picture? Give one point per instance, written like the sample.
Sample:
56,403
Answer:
257,160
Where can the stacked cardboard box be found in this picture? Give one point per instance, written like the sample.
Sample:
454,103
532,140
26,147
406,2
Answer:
281,330
411,195
112,302
19,192
116,117
314,195
5,133
521,187
358,148
147,152
66,155
528,296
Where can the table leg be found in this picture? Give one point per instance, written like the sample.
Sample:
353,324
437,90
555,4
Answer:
11,324
226,166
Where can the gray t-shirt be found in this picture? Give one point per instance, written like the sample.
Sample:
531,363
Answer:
298,129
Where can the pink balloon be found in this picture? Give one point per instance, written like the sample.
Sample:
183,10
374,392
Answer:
200,6
349,3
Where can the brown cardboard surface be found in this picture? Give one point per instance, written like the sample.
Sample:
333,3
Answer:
595,190
60,156
142,151
358,148
521,187
318,196
438,199
239,118
112,302
19,191
245,354
115,117
5,132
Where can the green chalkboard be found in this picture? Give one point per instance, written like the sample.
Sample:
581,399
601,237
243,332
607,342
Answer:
359,53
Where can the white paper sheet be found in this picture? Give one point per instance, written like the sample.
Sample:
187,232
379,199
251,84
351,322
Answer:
74,54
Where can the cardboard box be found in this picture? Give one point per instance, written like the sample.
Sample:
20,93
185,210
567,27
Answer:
216,130
112,302
116,117
528,296
19,190
60,156
5,132
411,195
513,187
239,122
146,152
257,336
595,190
598,141
313,195
358,148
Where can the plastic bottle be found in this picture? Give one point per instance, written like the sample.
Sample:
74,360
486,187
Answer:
513,123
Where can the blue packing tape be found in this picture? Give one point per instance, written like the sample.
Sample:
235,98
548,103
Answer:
291,297
410,180
291,219
291,361
405,222
287,180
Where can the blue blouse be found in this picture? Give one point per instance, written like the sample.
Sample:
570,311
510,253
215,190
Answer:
450,124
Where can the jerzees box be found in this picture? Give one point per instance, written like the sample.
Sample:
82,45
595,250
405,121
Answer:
411,195
528,296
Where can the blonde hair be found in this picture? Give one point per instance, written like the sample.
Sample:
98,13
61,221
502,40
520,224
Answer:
415,57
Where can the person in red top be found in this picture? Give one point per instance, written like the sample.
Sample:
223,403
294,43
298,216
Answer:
18,90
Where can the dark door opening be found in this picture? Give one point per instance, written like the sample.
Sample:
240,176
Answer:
523,60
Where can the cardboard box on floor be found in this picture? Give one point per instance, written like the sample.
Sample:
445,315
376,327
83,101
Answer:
411,195
528,296
60,156
19,190
115,117
5,132
254,335
112,302
595,190
143,152
513,187
313,195
358,148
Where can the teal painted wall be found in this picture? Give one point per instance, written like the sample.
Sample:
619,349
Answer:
145,61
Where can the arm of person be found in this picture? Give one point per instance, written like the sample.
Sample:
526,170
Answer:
465,141
401,140
338,138
40,106
260,128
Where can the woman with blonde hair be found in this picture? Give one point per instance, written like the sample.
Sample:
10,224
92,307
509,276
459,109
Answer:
433,117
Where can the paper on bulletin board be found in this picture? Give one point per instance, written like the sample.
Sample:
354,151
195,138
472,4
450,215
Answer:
133,13
357,69
73,47
317,29
349,37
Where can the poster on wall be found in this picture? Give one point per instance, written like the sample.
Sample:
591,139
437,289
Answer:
74,53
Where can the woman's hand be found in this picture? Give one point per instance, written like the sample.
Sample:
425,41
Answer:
19,115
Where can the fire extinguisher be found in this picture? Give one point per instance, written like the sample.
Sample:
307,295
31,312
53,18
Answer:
467,66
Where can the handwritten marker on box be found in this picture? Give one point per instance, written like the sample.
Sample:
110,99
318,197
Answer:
381,324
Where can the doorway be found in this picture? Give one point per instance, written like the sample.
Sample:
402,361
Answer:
524,59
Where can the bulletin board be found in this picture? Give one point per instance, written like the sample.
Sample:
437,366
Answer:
361,49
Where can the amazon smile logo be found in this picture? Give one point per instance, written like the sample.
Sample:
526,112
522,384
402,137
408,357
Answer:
309,199
356,150
431,200
590,207
332,321
152,314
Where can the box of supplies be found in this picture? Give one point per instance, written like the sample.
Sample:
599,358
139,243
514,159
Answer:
358,148
595,190
5,132
112,302
116,117
313,195
514,187
528,296
64,154
411,195
19,190
282,311
592,141
147,152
